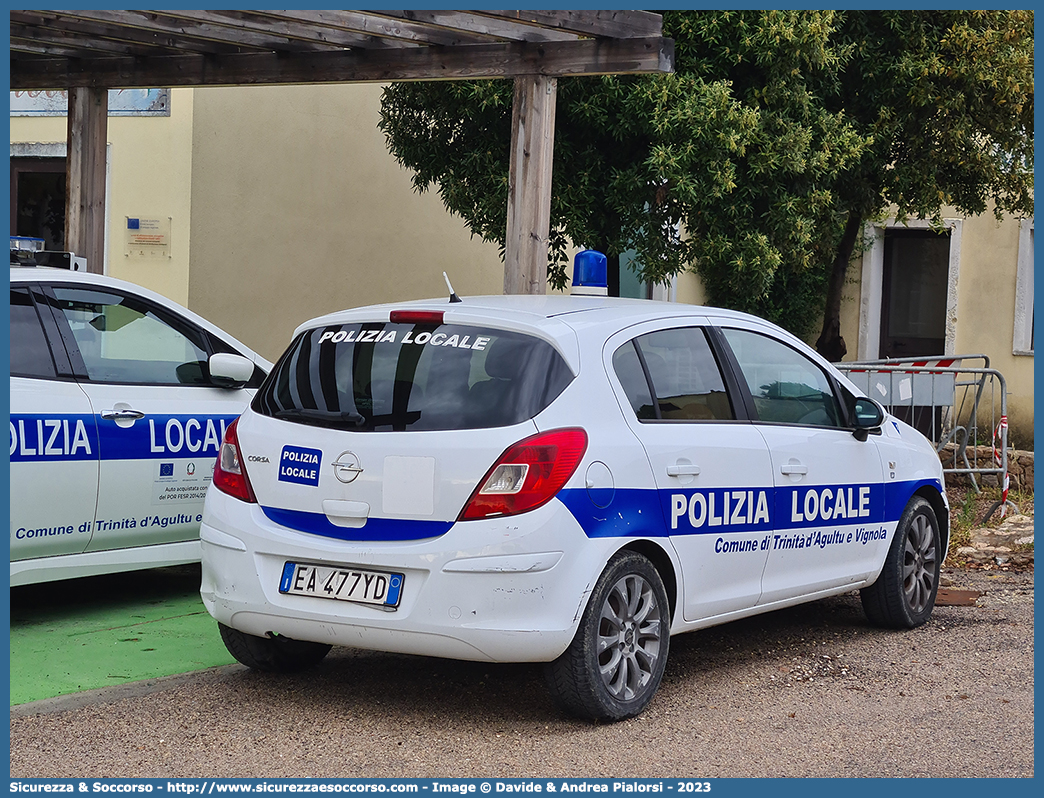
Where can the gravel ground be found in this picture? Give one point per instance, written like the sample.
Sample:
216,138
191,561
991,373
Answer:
809,691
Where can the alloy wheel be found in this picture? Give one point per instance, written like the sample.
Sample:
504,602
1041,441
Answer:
630,634
919,563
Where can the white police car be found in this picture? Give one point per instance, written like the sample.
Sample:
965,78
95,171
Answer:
119,401
557,479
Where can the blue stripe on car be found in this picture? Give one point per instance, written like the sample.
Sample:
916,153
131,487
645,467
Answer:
633,512
640,512
375,528
64,436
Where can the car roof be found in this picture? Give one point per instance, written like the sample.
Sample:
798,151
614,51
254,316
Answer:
530,310
30,274
562,318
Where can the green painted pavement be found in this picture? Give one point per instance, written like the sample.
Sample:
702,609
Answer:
81,634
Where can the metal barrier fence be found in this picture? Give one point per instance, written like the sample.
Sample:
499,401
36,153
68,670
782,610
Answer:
962,409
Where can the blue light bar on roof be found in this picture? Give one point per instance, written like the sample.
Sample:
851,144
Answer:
589,274
27,243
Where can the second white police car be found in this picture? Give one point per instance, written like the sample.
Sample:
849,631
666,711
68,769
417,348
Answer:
560,479
119,403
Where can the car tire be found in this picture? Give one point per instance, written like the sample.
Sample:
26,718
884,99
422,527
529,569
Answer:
615,663
904,594
276,654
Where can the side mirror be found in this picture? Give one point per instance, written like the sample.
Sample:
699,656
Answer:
868,418
230,371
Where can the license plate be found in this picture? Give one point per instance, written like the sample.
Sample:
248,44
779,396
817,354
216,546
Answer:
342,584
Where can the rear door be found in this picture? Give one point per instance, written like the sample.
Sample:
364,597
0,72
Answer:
159,421
53,442
711,466
380,431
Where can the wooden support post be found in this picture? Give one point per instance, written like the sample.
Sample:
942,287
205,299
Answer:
85,175
529,184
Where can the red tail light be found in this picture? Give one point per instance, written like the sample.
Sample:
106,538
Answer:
230,474
527,475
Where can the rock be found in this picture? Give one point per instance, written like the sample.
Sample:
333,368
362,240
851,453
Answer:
1017,524
1014,529
1020,465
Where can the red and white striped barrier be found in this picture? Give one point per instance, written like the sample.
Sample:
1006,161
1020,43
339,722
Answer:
1001,432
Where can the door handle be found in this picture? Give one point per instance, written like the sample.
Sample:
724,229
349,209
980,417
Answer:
794,468
122,414
683,470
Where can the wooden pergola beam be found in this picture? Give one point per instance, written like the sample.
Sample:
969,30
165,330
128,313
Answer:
78,27
619,23
61,39
506,28
293,28
197,25
473,62
529,184
85,175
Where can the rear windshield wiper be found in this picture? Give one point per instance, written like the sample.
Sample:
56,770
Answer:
325,418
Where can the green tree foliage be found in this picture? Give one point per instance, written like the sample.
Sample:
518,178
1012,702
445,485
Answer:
945,100
620,142
761,247
757,161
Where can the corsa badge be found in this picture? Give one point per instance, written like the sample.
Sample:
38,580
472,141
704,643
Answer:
346,467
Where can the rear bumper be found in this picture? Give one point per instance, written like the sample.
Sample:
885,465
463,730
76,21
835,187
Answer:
507,590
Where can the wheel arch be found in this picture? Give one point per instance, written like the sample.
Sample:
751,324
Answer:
942,513
661,561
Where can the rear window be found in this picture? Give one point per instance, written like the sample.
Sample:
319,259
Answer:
394,376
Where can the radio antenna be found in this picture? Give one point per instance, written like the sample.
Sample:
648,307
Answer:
453,294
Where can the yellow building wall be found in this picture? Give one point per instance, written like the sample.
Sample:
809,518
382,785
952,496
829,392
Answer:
986,313
149,169
849,310
299,210
690,289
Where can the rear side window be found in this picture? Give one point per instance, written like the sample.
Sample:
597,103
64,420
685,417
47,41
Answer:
632,377
396,376
30,354
680,367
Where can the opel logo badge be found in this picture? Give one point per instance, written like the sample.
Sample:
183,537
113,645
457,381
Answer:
346,467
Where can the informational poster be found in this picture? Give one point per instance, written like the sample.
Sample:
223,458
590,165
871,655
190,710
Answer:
147,239
122,102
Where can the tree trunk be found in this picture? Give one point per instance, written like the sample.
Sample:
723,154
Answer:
612,273
831,344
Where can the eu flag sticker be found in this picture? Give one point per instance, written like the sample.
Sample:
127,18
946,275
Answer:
166,469
300,465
